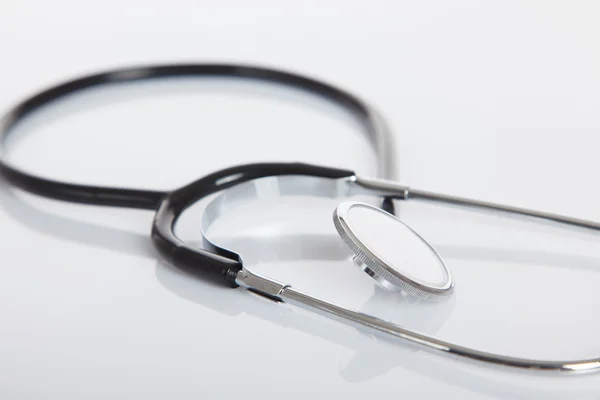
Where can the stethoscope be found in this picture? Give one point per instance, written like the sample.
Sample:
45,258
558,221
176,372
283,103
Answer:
359,224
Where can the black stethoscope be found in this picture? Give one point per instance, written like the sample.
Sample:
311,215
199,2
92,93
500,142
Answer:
360,225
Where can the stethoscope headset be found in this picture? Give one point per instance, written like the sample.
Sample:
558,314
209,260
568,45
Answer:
235,185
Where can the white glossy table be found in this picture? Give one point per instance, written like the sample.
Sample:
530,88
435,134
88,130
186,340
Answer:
494,101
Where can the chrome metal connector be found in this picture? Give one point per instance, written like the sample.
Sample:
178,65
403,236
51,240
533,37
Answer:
266,287
379,187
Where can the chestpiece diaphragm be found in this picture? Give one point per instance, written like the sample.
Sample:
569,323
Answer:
390,252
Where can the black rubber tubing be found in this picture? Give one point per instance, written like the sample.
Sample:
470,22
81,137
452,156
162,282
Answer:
169,205
148,199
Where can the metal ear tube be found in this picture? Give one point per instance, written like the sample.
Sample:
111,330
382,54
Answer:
391,276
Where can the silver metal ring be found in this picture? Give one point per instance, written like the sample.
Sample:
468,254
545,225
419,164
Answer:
378,251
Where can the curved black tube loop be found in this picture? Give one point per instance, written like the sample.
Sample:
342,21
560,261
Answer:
169,205
148,199
218,262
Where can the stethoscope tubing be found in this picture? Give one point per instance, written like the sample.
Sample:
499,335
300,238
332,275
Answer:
149,199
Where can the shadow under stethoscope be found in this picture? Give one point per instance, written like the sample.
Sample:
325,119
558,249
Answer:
372,358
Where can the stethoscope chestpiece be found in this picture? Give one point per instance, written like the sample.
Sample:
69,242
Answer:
390,252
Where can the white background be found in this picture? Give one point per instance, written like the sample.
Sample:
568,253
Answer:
494,100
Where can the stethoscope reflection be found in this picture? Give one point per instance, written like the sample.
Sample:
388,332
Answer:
371,358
